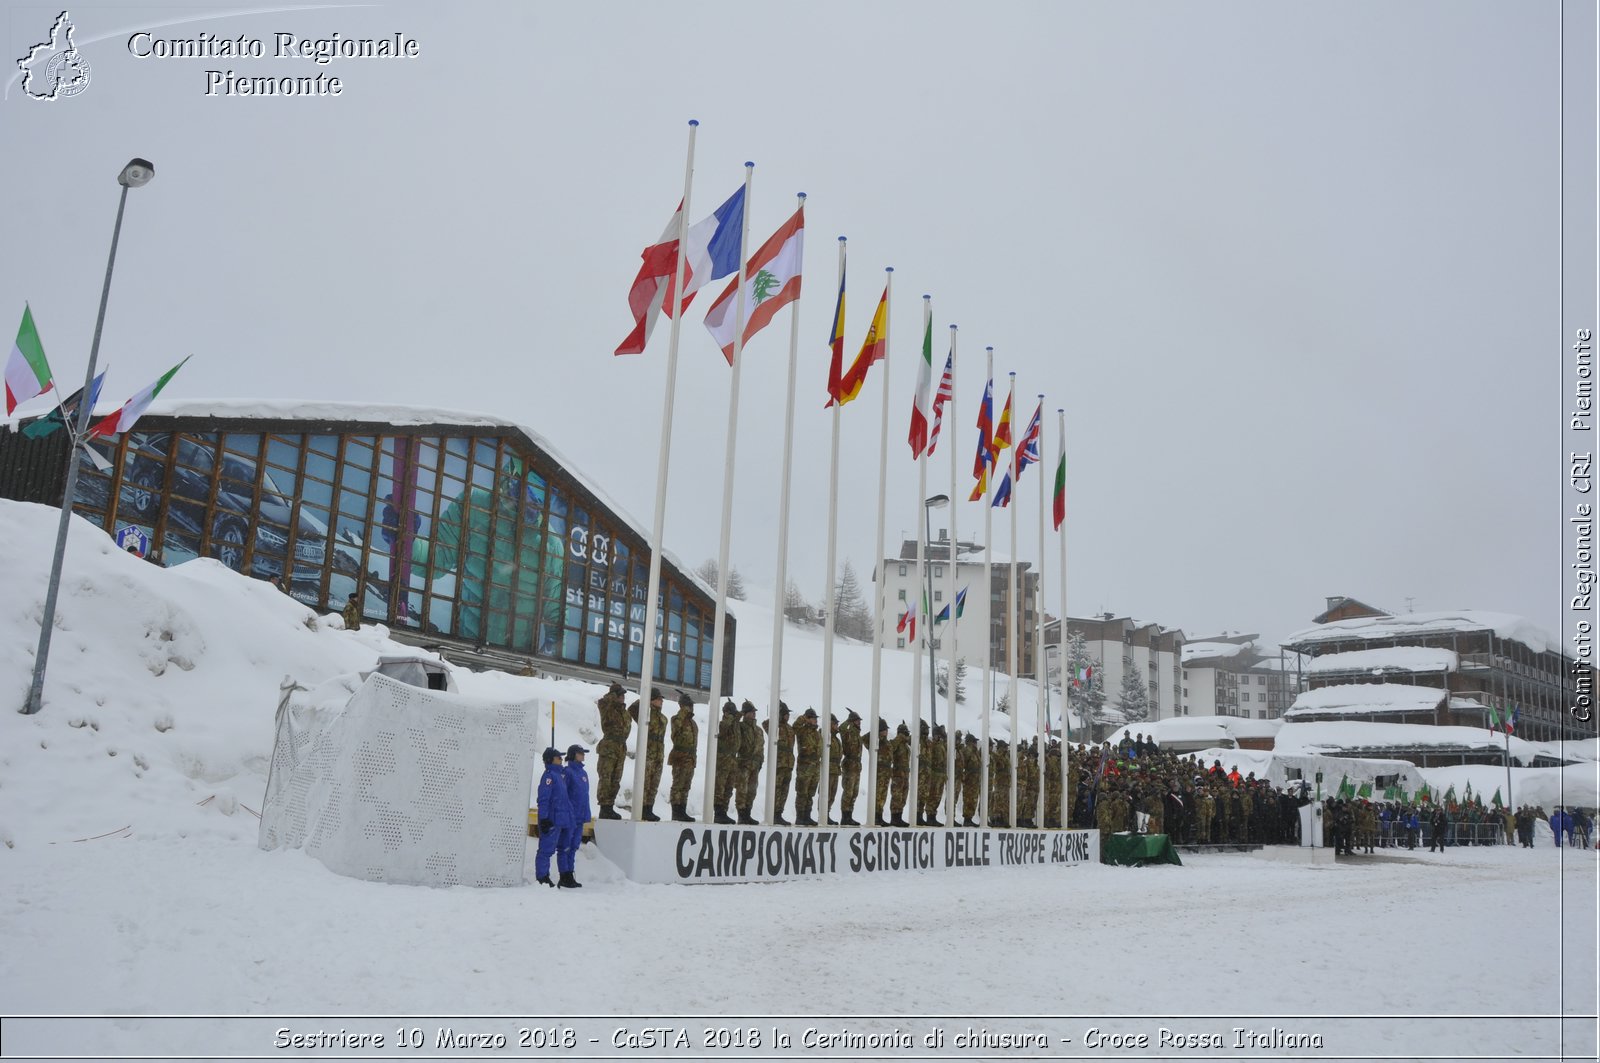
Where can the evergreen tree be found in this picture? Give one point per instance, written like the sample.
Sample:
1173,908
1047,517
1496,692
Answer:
707,571
795,606
851,616
1086,698
961,679
1133,699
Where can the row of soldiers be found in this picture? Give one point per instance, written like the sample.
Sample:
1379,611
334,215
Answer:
741,754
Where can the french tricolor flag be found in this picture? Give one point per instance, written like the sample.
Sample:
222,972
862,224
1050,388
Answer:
711,252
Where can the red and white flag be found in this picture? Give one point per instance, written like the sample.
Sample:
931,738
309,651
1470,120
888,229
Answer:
711,253
771,282
940,397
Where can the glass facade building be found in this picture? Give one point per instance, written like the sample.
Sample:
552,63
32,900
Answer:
466,536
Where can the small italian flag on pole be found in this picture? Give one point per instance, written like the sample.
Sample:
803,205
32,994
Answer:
27,371
123,419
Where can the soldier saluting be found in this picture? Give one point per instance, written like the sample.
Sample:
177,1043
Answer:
615,726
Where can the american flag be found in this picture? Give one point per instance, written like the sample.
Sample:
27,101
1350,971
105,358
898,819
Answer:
942,396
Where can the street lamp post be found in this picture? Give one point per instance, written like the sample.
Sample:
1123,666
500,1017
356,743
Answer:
936,502
136,174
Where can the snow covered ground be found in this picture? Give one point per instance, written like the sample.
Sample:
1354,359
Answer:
134,886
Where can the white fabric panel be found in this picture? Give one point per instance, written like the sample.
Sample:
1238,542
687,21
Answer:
403,784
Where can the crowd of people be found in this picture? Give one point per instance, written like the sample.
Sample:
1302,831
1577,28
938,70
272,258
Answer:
1132,785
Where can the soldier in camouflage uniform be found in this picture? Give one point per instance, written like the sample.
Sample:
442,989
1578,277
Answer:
1027,784
1205,811
807,766
1105,815
654,740
899,776
1052,784
685,753
936,769
727,759
785,764
971,781
924,742
1152,805
1247,807
851,741
752,754
612,749
999,783
885,769
835,754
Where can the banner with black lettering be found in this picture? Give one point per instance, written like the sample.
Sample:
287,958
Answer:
695,853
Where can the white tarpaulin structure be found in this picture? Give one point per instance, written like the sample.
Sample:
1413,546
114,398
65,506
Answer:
398,783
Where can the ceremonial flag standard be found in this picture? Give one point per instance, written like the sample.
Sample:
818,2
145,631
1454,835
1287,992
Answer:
27,371
921,401
772,282
131,410
711,252
873,348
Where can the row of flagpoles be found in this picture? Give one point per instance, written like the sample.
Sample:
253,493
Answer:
688,257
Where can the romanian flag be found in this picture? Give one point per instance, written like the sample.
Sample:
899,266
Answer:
836,339
873,348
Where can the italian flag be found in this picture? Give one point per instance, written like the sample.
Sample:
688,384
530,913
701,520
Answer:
919,402
27,372
134,408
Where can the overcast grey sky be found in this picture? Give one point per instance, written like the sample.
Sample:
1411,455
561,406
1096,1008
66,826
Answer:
1290,268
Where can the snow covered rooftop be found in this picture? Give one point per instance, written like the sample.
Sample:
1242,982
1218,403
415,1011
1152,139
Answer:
1396,658
1332,736
406,416
1366,698
1224,731
1195,651
1504,625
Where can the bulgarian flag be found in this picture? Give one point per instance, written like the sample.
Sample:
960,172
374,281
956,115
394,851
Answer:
27,371
123,419
772,282
1058,505
873,348
920,408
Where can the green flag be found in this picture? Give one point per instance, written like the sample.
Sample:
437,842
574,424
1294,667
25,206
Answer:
1346,790
27,371
1495,800
1364,790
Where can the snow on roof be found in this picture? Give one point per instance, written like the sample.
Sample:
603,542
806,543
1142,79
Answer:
1185,729
1193,651
1504,625
1366,697
1398,658
401,415
1332,736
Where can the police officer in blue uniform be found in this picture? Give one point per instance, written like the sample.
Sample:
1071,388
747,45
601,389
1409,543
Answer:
578,797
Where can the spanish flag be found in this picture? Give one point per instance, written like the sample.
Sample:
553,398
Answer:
1002,431
872,350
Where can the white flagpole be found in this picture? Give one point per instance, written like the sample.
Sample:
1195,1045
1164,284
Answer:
1066,702
927,609
1041,680
647,655
950,675
879,562
1011,605
771,768
988,595
829,621
708,797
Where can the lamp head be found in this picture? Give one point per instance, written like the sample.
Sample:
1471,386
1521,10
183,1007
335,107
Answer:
938,502
137,173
